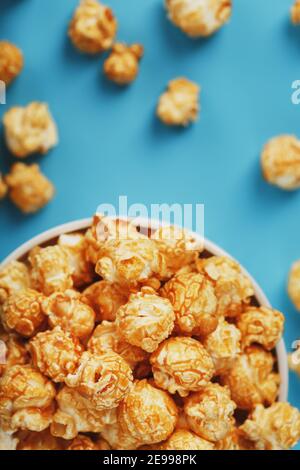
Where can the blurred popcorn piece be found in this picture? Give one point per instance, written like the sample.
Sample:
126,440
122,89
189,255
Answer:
14,277
39,441
82,442
8,441
186,440
294,284
294,360
122,65
3,187
11,62
295,12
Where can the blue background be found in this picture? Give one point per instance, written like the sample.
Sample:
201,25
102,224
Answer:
111,143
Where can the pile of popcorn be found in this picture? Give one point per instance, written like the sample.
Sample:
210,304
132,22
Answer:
120,339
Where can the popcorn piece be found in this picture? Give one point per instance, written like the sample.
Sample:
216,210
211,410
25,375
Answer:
39,441
186,440
29,189
11,62
251,380
76,245
67,311
102,444
7,441
93,27
50,269
103,379
3,187
194,303
295,12
122,66
294,284
181,365
179,105
12,352
75,414
14,277
25,399
232,288
199,18
106,337
105,299
82,442
274,428
146,320
261,325
56,353
30,129
294,360
224,346
22,312
210,412
234,441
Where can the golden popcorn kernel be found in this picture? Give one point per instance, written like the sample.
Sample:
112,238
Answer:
13,351
199,18
294,284
181,365
93,27
105,299
11,62
295,12
274,428
251,380
122,65
55,353
82,442
28,188
194,302
14,277
261,325
146,320
179,105
294,360
186,440
3,187
210,412
39,441
76,246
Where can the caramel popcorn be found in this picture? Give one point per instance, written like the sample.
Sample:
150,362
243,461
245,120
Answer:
234,441
11,62
274,428
194,303
199,18
261,325
293,284
50,269
224,346
7,441
146,320
181,365
65,309
82,442
295,12
39,441
122,65
210,412
56,353
26,397
179,105
28,188
251,380
14,351
14,277
76,246
105,299
3,187
232,288
186,440
30,130
294,360
93,27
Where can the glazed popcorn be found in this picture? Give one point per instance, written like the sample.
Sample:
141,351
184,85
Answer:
181,365
12,351
7,441
251,380
122,65
22,313
274,428
199,17
30,130
29,189
82,442
234,441
224,346
14,277
66,310
179,105
232,288
39,441
3,187
11,62
194,302
76,246
55,353
294,360
261,325
50,269
26,399
93,27
105,299
294,284
295,12
186,440
146,320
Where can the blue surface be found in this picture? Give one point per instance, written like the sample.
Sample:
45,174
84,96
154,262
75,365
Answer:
111,143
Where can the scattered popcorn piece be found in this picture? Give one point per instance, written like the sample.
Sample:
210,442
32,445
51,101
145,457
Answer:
251,380
30,129
22,313
105,299
76,245
93,27
56,354
181,365
274,428
12,351
146,320
261,325
224,346
50,269
194,303
3,187
210,412
294,284
39,441
14,277
28,188
7,441
65,309
294,360
186,440
232,288
199,18
295,12
179,105
82,442
122,65
11,62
